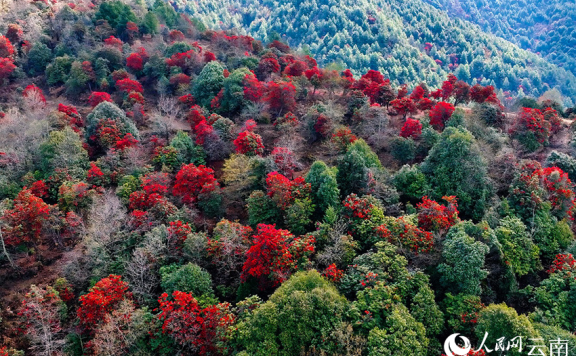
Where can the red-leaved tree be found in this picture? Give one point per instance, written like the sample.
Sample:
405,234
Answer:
201,330
412,128
192,181
24,222
440,113
249,143
101,299
435,217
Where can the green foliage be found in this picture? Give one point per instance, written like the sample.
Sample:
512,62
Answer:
455,166
165,12
461,311
352,173
38,58
298,216
403,149
187,151
116,13
63,150
149,25
519,250
208,83
57,71
555,300
233,96
261,209
499,320
462,269
188,278
401,335
564,162
411,183
77,81
108,110
301,314
325,192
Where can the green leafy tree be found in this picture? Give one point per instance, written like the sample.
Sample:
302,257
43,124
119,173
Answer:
38,58
455,166
519,250
499,320
63,150
324,186
57,71
233,95
462,269
107,110
187,151
209,83
116,13
401,335
302,314
353,169
188,278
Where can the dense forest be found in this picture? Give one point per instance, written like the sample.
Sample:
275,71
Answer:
408,41
544,27
168,188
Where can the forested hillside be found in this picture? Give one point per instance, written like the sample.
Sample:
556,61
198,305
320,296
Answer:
409,41
171,189
544,27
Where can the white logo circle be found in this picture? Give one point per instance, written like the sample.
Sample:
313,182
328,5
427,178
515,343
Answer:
451,348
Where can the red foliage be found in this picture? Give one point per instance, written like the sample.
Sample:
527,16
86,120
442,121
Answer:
485,94
156,182
268,65
559,188
412,128
127,142
281,96
279,46
107,133
295,69
249,143
131,29
201,329
135,97
181,78
288,120
435,217
14,33
203,130
254,89
178,233
532,120
176,35
101,299
418,93
39,188
552,117
563,262
6,68
209,57
187,99
410,236
343,137
95,175
323,125
114,42
357,208
269,256
192,181
135,62
128,85
403,106
97,97
440,113
6,48
333,274
24,222
32,90
402,92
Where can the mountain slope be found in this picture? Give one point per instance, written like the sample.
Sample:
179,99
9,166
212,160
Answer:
409,41
544,27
